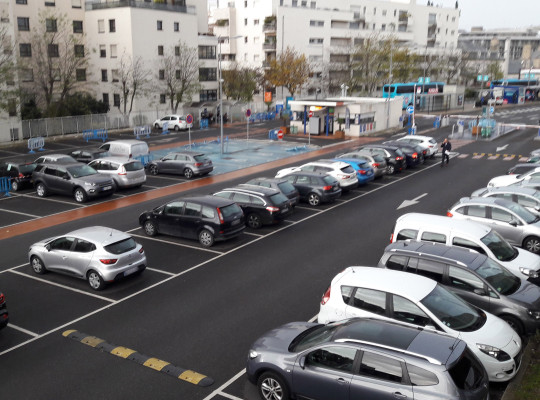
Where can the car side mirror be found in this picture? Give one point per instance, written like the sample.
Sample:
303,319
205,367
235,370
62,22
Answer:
66,177
480,292
48,247
514,223
537,208
302,362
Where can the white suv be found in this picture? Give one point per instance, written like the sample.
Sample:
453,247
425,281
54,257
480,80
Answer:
420,301
176,122
343,172
425,142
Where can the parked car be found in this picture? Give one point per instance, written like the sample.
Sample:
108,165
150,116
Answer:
261,205
422,302
97,254
426,142
527,197
472,276
363,358
127,149
413,154
75,179
395,159
341,171
512,221
522,168
87,155
528,178
176,122
4,315
375,161
364,173
55,158
187,163
315,187
206,218
471,235
19,171
124,173
281,184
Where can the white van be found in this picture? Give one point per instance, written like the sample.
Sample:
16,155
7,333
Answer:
469,234
126,148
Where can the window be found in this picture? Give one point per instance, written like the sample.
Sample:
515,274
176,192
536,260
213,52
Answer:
498,214
104,75
397,263
101,26
112,25
160,50
115,75
526,201
207,74
49,3
80,74
433,237
245,21
27,75
63,243
208,212
174,208
457,241
332,357
102,51
50,25
106,98
161,74
52,50
316,40
178,74
208,95
295,3
421,377
255,22
113,51
316,23
76,4
116,100
380,367
162,99
304,3
430,269
159,25
370,300
313,4
23,24
407,311
473,211
192,210
207,52
407,234
464,280
21,2
78,50
82,246
177,51
77,27
25,50
176,26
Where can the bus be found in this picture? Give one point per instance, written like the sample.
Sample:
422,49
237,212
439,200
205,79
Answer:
516,89
514,82
406,90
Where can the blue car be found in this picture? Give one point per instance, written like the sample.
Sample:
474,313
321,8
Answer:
363,171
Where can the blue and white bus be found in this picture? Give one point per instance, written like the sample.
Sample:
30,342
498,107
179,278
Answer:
407,90
517,90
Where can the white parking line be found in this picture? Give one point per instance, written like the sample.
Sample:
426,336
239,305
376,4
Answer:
48,199
253,234
219,390
173,243
26,331
306,208
160,271
21,213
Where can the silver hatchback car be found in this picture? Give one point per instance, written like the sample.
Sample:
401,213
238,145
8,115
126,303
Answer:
97,253
187,163
124,173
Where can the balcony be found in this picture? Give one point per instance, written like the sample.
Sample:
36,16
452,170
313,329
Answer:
269,28
269,46
170,5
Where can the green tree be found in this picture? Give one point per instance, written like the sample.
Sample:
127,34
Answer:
240,83
80,103
290,70
494,71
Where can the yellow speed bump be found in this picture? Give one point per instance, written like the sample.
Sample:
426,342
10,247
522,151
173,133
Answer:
92,341
123,352
155,363
191,377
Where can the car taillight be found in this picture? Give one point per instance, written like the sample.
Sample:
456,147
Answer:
375,165
343,176
141,250
272,209
392,237
415,155
399,158
326,296
20,175
449,214
198,164
220,216
108,261
2,298
327,188
122,171
362,171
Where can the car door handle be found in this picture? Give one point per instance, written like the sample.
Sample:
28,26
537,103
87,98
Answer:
398,395
341,380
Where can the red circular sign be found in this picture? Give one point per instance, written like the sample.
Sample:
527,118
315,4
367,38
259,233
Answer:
189,119
310,114
280,134
248,112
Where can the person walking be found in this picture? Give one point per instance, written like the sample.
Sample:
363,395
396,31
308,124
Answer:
446,146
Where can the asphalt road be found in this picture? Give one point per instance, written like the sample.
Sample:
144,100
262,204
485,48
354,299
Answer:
201,309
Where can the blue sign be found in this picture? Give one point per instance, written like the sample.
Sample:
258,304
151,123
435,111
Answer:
491,110
410,110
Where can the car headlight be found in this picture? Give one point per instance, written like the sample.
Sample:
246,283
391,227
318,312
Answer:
531,273
90,183
494,352
253,354
534,314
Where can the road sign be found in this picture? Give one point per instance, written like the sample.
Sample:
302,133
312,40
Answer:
248,112
491,110
410,110
189,119
280,134
310,114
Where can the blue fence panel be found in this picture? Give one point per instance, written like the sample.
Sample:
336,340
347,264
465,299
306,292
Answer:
5,185
272,134
139,131
95,134
203,123
36,143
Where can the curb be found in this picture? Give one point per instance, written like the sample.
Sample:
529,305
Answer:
516,381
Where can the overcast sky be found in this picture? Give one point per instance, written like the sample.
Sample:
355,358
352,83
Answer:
490,14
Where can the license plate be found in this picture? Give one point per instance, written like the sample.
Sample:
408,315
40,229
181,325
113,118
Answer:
285,209
131,271
107,187
235,222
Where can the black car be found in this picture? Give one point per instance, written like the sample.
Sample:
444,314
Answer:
4,316
206,218
395,159
20,172
261,205
87,155
315,187
413,154
283,185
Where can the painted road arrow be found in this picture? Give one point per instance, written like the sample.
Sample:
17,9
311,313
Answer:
502,148
414,201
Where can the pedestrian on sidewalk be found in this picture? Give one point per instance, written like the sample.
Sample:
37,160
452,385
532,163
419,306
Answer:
446,146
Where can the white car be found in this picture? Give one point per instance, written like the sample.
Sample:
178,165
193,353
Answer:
420,301
531,177
343,172
176,122
425,142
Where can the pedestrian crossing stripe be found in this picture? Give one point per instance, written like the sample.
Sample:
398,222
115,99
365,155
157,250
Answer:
490,156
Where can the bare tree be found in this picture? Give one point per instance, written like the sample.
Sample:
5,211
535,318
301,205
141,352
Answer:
7,88
179,73
132,80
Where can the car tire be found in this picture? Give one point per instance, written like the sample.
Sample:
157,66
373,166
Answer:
314,199
188,173
390,169
176,128
153,169
150,228
272,387
37,265
95,280
15,186
80,195
157,126
206,238
514,323
532,244
41,190
254,221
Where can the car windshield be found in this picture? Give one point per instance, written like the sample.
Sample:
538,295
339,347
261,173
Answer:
279,198
522,212
133,166
348,169
329,180
499,277
313,336
536,194
231,209
27,168
499,247
123,246
286,187
200,158
452,311
81,170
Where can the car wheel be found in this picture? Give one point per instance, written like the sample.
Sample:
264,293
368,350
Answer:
206,238
532,244
156,126
154,169
188,173
514,324
390,169
95,281
150,228
176,128
15,186
272,387
80,195
37,265
41,190
254,221
314,199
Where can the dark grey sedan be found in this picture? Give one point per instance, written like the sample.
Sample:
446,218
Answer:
187,163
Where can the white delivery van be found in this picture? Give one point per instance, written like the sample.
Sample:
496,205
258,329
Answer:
469,234
126,148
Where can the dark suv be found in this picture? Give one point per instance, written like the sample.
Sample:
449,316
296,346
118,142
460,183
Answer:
474,277
4,316
414,155
261,205
19,171
395,159
281,184
87,155
315,187
73,179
